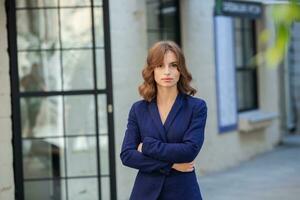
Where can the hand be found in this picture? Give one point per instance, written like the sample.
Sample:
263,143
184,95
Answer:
184,167
140,147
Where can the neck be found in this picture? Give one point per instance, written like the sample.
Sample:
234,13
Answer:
166,95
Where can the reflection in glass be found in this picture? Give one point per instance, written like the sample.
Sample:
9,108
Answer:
45,190
169,35
83,189
97,2
35,3
80,115
43,158
104,155
105,188
246,23
33,79
81,156
237,22
153,22
75,2
162,21
240,89
76,27
238,48
100,62
39,71
169,14
37,29
102,114
77,69
249,47
153,15
41,116
98,21
244,42
246,89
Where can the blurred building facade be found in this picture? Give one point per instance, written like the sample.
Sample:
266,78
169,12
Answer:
292,81
70,71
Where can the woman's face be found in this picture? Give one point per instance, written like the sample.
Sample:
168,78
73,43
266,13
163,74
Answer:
167,74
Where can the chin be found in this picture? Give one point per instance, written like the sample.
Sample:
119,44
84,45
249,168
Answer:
168,85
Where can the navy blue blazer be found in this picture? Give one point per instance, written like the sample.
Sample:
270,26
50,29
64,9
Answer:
178,140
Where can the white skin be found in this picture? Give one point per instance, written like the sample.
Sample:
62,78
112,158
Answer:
166,77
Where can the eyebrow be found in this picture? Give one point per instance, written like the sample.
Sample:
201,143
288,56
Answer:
174,62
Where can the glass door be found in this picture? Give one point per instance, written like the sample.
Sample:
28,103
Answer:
62,102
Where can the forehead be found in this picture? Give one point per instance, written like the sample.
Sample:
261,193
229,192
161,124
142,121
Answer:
170,57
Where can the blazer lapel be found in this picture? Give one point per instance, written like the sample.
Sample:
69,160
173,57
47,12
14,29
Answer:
154,113
173,112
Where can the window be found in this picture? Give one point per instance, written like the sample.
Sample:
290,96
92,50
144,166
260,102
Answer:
163,21
246,72
62,88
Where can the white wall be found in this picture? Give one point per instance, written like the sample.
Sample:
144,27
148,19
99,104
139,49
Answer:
6,155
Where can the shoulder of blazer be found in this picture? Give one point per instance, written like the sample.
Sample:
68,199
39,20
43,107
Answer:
195,101
139,105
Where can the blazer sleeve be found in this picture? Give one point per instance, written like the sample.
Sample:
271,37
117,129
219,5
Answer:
131,157
188,149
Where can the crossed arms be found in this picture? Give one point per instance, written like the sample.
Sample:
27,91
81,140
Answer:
157,156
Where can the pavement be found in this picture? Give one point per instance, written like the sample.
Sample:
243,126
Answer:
274,175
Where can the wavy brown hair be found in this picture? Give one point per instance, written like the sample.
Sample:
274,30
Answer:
155,57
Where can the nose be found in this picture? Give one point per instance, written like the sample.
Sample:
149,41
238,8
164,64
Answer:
167,70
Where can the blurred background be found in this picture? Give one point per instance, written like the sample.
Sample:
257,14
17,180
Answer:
69,73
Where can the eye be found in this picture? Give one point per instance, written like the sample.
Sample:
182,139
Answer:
174,65
159,66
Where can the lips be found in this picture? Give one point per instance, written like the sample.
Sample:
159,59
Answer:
167,79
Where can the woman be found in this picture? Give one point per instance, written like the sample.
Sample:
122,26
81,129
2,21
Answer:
165,130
